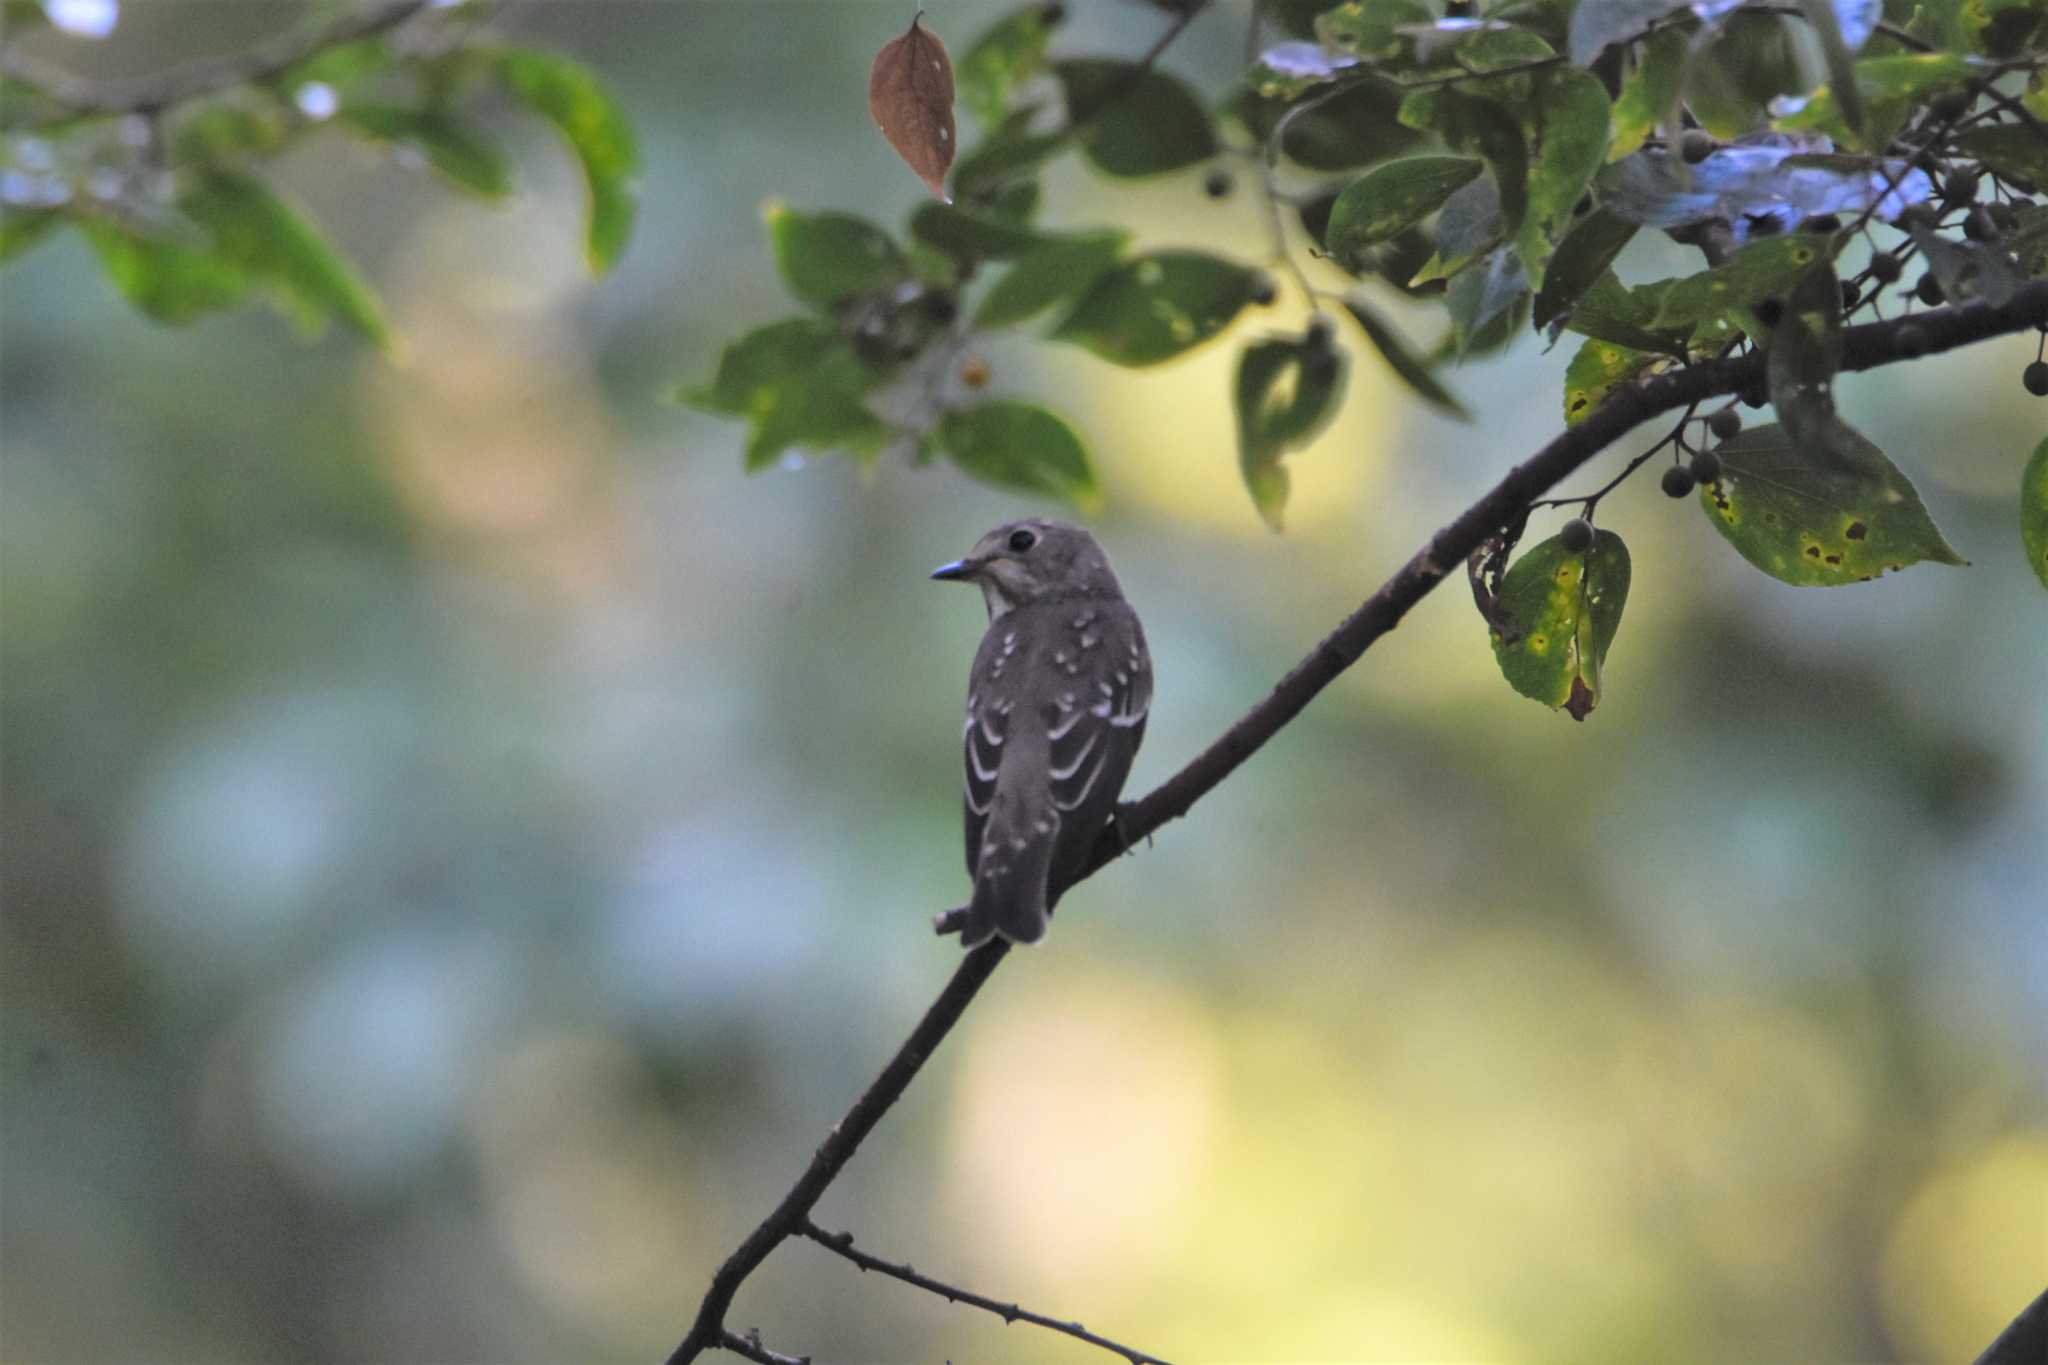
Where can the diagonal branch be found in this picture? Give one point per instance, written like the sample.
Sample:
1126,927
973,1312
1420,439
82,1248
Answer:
208,76
1864,347
748,1344
842,1243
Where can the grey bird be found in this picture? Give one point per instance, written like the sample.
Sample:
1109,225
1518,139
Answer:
1056,706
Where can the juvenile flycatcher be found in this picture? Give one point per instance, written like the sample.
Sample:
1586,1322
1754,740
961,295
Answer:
1056,705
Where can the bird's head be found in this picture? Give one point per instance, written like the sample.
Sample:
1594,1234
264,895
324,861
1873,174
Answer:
1034,561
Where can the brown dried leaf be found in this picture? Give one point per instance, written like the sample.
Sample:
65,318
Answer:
910,94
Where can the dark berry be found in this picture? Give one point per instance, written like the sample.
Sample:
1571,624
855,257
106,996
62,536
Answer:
1757,395
1822,222
1885,268
1706,467
1928,291
1677,481
1724,424
1696,145
1263,292
1979,227
1919,216
1851,295
1052,16
1763,225
1951,104
1768,311
1577,535
1911,341
1218,184
1960,187
1318,336
1583,207
2035,377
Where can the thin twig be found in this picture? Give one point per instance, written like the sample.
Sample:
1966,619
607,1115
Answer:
748,1344
153,94
841,1243
1864,347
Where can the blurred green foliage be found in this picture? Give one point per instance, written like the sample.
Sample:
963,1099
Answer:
462,841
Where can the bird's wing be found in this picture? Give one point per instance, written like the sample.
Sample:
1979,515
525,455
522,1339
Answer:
1096,715
988,725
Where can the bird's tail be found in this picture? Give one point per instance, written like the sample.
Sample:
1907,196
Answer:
1010,876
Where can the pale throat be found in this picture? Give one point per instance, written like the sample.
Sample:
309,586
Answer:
993,596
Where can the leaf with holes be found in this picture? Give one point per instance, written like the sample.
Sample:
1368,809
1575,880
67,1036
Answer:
567,95
910,96
1138,120
1566,608
1158,305
1819,517
1019,445
1599,368
1756,272
1388,198
1286,393
2034,511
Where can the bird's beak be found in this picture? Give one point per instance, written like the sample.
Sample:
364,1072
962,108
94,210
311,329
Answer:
960,570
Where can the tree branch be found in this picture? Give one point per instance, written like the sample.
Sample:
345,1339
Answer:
749,1345
1864,347
153,94
841,1243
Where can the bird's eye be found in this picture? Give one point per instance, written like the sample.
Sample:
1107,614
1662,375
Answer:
1020,541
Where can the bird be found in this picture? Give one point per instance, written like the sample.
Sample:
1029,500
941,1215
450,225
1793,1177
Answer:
1056,706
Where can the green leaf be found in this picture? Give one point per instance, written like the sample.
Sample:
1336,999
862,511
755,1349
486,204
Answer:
461,154
1060,269
969,236
2011,149
1286,393
169,280
1566,608
1820,17
2034,511
227,132
1884,82
1403,359
1572,138
1487,129
1010,150
21,229
1371,28
1597,24
1757,271
1483,293
1649,95
1339,130
1805,352
1818,517
1379,204
1019,445
1599,368
825,257
1580,262
799,383
1614,313
570,97
1005,56
278,249
1158,305
1139,121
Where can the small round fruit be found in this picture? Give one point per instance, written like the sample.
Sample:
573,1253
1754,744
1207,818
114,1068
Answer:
1318,336
1577,535
1757,395
1885,268
1960,187
1706,467
1263,292
1912,341
1218,184
1695,145
1052,16
1768,311
1928,291
1851,295
2035,377
1677,481
1724,424
1821,222
1978,226
1950,105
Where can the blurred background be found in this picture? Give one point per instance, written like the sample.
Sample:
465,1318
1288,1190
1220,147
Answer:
465,843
